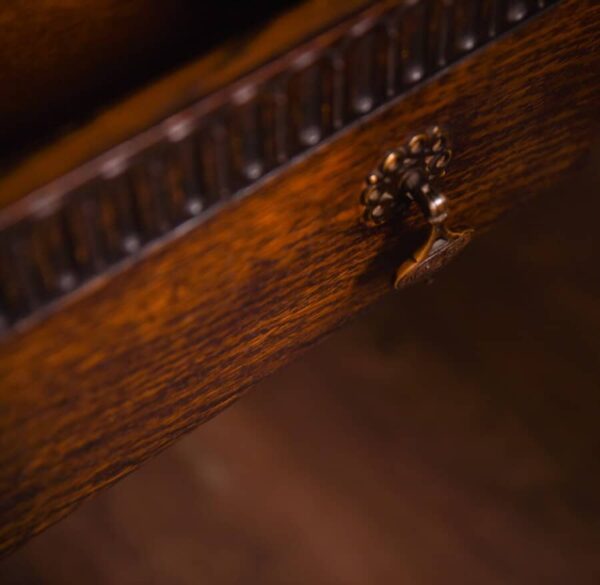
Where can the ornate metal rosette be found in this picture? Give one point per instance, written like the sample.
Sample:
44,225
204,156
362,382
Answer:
391,187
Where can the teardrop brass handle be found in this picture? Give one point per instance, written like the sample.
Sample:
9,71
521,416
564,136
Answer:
405,175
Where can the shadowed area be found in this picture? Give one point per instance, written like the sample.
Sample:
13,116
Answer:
64,60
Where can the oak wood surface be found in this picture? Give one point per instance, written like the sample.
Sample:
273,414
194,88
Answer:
116,376
448,436
107,213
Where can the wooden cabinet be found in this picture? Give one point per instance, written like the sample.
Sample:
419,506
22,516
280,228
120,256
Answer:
183,244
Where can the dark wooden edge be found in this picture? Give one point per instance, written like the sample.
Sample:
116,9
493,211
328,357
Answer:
116,208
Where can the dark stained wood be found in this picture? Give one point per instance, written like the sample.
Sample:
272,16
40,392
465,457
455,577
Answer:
448,436
150,353
169,177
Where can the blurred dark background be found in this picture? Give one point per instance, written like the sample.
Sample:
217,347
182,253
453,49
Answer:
62,61
449,435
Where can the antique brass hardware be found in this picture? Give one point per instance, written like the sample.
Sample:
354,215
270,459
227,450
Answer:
406,175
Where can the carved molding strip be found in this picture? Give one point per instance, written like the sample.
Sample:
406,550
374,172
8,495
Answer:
167,179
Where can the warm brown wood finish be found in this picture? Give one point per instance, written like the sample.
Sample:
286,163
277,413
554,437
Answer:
455,422
117,375
169,176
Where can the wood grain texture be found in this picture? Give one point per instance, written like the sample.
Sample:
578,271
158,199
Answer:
455,422
166,179
94,390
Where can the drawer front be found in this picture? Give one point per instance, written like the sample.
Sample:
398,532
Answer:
158,342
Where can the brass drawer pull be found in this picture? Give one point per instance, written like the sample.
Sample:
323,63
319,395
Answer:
407,174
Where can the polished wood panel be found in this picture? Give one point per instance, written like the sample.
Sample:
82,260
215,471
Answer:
168,178
122,372
448,436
